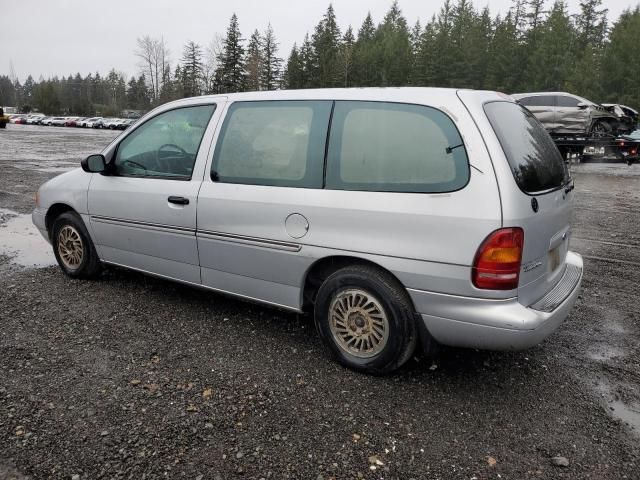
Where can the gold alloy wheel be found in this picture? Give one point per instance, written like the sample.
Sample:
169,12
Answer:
70,247
358,323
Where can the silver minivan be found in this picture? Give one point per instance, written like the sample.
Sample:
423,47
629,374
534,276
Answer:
399,216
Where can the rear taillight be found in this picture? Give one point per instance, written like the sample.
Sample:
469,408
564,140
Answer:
497,262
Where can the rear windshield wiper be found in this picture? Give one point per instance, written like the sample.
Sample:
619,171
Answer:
451,149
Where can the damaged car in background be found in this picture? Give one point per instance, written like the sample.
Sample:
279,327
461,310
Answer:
627,117
564,114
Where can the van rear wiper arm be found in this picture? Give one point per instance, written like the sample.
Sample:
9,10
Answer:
451,149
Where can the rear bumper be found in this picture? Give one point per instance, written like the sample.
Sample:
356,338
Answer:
499,324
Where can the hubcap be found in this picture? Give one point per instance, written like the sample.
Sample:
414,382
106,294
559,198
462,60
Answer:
358,323
70,247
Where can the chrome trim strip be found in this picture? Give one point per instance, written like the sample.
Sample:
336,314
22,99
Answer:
254,241
146,225
205,287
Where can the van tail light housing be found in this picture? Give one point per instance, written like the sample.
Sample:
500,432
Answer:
497,262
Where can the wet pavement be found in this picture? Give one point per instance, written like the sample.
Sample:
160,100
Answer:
132,377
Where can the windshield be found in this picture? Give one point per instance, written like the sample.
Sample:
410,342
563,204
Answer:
535,160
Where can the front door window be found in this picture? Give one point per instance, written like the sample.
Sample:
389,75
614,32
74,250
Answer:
165,146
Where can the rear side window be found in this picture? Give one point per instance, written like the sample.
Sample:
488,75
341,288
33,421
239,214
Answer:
538,101
279,143
535,161
564,101
391,147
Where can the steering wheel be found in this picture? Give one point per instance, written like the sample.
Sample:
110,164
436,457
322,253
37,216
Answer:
163,162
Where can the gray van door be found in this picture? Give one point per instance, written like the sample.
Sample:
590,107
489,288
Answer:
143,214
267,165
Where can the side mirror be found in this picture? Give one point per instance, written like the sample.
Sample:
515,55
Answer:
582,105
94,163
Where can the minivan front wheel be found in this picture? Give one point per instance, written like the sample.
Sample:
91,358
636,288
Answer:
73,247
366,319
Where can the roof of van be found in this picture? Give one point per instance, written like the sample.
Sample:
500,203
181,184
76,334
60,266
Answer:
401,94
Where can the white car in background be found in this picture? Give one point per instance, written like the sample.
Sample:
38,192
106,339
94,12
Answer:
111,123
90,122
57,121
35,119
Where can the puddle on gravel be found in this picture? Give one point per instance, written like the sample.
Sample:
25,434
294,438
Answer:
627,413
21,241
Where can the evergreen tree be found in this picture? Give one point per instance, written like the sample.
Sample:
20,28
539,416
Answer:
325,47
254,62
294,73
393,49
231,77
27,91
192,76
270,71
462,23
363,55
591,26
7,92
442,45
551,61
426,56
504,68
46,98
345,58
416,64
620,62
307,60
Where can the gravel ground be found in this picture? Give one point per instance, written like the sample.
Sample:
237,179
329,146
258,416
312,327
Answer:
134,377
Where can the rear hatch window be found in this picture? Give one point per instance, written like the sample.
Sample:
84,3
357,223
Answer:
535,161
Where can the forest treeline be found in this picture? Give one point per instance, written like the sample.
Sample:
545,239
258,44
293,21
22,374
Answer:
537,45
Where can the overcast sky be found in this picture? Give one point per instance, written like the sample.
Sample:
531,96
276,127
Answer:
59,37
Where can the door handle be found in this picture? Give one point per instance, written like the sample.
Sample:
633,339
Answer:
178,200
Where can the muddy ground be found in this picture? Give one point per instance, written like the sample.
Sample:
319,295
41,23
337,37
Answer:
134,377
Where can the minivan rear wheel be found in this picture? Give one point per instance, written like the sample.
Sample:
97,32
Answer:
366,320
73,247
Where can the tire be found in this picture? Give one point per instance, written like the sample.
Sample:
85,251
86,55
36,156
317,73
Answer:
601,129
367,304
73,247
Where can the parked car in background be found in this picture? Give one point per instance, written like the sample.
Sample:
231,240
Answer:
89,122
627,117
100,123
18,118
392,214
111,123
563,113
34,119
77,122
57,121
70,121
124,123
